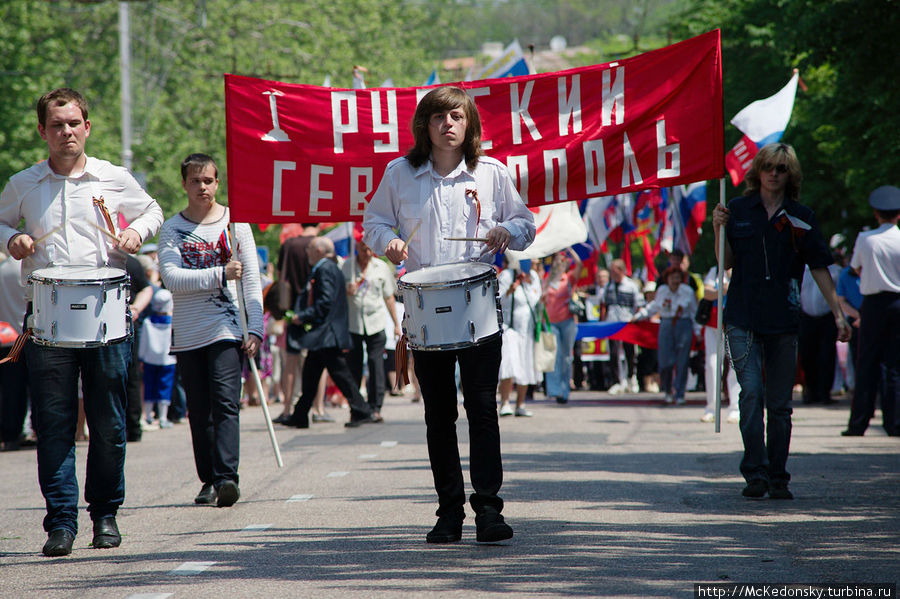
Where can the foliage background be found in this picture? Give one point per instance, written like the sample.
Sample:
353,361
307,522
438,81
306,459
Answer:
845,127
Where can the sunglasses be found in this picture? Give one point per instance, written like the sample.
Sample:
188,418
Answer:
778,168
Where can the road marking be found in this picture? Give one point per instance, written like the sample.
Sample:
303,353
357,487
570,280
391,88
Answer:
367,456
296,498
254,527
389,444
337,474
150,596
192,568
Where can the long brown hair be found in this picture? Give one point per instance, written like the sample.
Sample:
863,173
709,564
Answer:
439,100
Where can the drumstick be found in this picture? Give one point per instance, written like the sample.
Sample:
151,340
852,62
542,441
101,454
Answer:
481,239
411,235
102,230
47,234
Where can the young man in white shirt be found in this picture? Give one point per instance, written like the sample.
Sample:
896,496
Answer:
63,202
445,187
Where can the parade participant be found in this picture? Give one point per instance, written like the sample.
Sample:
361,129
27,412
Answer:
370,302
876,256
676,303
445,187
770,236
70,204
321,312
622,297
200,263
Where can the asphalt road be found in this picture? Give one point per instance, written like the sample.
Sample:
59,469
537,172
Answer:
609,497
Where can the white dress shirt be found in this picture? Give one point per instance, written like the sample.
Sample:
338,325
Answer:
878,253
46,200
681,303
812,302
442,207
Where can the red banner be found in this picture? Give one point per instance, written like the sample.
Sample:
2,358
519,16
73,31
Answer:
302,153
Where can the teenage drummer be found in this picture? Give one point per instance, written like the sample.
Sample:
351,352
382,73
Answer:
446,187
71,204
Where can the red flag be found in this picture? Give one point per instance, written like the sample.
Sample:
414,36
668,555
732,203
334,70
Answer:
738,159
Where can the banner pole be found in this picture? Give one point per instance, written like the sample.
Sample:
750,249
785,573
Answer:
720,346
246,335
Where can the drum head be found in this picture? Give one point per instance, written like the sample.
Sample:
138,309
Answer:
77,273
447,273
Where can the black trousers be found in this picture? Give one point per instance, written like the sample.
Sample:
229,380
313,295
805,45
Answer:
13,397
816,354
134,410
211,377
879,347
479,367
332,359
375,384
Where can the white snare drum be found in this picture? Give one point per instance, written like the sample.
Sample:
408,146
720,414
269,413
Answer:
79,306
450,306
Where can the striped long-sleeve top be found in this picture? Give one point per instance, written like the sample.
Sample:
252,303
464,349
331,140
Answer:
192,259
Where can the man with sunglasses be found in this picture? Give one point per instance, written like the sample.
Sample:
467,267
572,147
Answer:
770,237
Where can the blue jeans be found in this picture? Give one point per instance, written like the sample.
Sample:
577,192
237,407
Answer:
765,449
53,376
675,336
558,380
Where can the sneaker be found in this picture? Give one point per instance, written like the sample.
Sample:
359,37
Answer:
734,417
447,530
668,399
322,418
165,424
708,417
616,389
523,412
633,386
228,494
679,401
779,490
490,527
755,488
506,410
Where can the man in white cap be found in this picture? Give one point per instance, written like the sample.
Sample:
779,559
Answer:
876,256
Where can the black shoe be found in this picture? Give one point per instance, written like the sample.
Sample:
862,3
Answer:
852,433
228,493
207,494
297,421
755,488
561,400
447,530
779,490
490,527
282,419
106,533
355,422
59,542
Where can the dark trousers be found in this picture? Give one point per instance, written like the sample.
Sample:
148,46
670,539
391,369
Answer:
211,377
479,367
333,360
879,346
53,378
375,384
13,398
816,353
628,349
134,409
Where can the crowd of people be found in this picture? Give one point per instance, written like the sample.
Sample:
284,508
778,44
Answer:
203,306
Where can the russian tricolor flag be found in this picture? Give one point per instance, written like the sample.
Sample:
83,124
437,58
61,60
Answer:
762,122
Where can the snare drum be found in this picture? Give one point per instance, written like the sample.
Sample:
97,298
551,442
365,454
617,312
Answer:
80,306
450,306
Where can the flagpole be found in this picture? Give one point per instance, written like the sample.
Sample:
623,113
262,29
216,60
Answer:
253,369
720,346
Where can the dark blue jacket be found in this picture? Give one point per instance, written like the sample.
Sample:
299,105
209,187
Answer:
327,314
769,255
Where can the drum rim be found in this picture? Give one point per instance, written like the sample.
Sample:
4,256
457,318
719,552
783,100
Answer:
489,273
457,344
120,275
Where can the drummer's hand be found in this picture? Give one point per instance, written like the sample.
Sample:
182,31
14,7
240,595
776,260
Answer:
720,216
129,240
497,240
233,270
21,246
395,251
251,345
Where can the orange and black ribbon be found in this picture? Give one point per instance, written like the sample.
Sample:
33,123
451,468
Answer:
99,203
401,363
17,347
